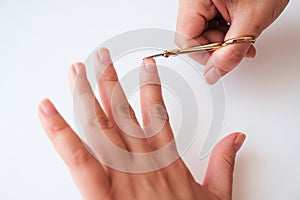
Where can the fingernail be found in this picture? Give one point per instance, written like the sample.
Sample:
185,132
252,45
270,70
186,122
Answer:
76,68
213,75
250,55
104,56
238,142
79,69
150,65
47,108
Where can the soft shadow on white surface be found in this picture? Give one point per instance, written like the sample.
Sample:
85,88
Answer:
263,101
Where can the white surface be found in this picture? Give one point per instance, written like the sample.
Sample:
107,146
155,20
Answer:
40,39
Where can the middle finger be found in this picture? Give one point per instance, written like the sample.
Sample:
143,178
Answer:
116,105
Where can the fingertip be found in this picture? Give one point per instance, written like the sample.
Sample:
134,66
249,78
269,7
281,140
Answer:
104,50
150,65
46,108
103,55
212,75
239,141
149,60
72,73
233,141
149,73
233,136
75,69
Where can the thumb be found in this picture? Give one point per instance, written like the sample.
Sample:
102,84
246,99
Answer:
227,58
219,175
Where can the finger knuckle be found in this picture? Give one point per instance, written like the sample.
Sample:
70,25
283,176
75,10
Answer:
109,77
104,122
151,85
58,129
80,158
158,111
124,110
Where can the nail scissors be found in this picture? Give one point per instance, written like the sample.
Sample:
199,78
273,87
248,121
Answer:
204,48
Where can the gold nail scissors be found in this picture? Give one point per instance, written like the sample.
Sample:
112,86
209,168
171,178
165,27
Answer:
205,48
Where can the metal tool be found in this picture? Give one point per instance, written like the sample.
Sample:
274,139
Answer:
204,48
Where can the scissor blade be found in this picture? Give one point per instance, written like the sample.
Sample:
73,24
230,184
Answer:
155,55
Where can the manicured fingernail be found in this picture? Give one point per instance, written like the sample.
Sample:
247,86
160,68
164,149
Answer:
79,69
76,67
238,142
104,56
47,108
213,75
150,65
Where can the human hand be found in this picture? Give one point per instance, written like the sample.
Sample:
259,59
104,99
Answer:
96,180
205,21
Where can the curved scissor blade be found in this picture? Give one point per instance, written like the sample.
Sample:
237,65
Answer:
155,55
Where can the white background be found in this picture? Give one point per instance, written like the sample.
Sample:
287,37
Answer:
39,40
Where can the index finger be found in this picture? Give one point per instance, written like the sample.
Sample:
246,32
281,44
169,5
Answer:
73,151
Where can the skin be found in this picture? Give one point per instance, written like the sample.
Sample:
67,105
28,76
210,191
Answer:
204,21
98,181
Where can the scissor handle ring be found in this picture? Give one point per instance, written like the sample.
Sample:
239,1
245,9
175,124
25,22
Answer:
243,39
